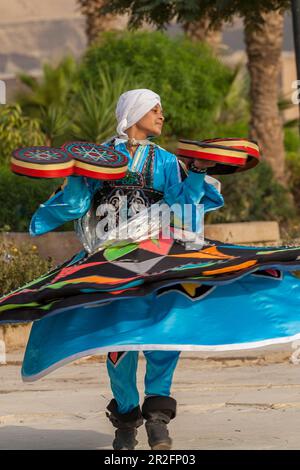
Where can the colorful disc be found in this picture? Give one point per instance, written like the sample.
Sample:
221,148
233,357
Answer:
230,155
97,161
42,162
248,146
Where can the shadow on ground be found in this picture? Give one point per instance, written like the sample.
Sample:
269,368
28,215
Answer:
19,437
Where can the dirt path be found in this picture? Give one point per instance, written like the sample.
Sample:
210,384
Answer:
229,404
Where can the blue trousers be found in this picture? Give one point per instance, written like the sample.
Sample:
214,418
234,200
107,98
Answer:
122,369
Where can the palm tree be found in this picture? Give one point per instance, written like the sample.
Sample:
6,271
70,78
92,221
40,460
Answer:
47,98
201,31
96,23
264,45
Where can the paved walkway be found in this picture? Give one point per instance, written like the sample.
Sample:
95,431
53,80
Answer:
223,404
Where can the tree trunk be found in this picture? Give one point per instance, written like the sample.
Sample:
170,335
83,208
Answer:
264,45
200,31
96,23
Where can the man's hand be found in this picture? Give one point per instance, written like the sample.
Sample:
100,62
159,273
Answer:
199,163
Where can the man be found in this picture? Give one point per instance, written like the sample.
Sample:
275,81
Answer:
139,114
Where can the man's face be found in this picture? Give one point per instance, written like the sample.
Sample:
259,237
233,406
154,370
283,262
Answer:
152,122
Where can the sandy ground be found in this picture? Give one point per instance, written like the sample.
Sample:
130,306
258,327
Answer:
222,404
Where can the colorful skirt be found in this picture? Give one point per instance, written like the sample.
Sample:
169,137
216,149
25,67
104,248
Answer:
156,295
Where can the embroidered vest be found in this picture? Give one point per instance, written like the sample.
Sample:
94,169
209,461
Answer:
120,198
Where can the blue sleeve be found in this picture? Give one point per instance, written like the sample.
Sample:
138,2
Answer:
71,202
193,190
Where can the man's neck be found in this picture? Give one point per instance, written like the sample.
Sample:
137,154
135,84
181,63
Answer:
136,134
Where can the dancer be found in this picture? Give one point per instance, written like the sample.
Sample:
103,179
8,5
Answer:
139,114
152,295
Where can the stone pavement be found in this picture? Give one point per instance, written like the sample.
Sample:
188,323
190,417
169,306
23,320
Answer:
231,403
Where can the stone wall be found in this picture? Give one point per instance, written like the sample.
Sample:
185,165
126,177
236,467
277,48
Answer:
62,245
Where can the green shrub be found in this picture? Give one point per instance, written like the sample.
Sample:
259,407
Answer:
92,109
78,101
292,145
291,140
254,195
67,109
19,265
48,98
293,165
17,130
54,88
191,81
20,196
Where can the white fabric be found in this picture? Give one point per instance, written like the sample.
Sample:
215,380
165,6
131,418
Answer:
132,106
122,140
216,183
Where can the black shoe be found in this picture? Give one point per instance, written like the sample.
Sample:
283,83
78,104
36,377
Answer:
157,431
125,439
126,424
158,411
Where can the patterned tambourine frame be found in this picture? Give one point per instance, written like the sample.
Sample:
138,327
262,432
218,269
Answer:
230,155
42,162
74,158
97,161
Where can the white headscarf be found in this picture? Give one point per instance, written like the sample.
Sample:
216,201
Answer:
132,106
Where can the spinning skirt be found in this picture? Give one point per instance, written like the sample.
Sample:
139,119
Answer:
155,295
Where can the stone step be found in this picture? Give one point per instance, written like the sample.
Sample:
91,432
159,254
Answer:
244,232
